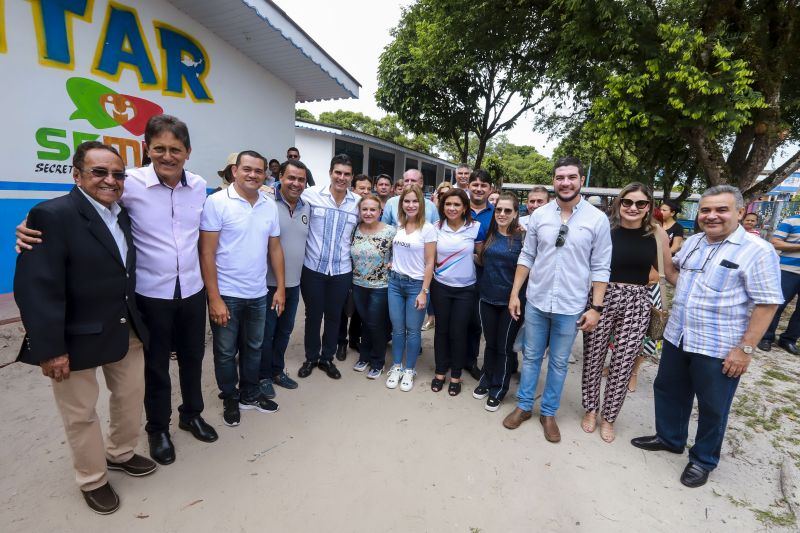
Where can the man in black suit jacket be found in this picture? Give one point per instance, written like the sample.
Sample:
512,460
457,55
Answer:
75,292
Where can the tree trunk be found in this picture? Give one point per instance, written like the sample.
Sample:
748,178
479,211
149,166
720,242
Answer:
776,178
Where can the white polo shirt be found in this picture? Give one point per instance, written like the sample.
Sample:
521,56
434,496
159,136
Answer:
455,266
244,233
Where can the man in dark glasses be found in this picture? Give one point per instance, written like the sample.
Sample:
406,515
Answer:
567,255
723,273
75,292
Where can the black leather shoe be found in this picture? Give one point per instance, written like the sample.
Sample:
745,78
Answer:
341,352
789,347
329,368
136,466
694,476
102,500
653,444
765,345
474,371
199,428
355,345
306,368
161,448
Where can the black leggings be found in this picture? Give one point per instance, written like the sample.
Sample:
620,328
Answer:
454,307
499,359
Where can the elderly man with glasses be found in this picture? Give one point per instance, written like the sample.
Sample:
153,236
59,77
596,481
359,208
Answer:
567,254
727,290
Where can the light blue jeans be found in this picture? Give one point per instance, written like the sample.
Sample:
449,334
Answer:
406,319
541,329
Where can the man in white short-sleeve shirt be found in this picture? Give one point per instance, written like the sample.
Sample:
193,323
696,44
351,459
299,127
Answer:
238,232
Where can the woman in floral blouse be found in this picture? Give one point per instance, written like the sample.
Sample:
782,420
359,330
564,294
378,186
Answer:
372,252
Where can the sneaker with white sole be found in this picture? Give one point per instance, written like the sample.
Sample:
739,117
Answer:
360,366
374,373
480,393
492,404
395,373
408,380
260,404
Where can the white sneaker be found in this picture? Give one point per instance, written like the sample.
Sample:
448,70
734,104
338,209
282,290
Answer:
394,376
408,380
360,366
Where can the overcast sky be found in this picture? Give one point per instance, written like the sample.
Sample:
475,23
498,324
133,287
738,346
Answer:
354,33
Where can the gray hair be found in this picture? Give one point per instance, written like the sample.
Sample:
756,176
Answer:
725,189
539,189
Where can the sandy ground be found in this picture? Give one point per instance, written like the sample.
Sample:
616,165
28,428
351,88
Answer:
352,455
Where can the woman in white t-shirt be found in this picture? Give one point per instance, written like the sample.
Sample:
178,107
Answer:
413,255
453,288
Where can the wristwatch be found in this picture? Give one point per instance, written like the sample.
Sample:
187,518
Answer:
598,308
747,349
426,291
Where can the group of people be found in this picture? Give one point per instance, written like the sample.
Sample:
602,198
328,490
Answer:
119,274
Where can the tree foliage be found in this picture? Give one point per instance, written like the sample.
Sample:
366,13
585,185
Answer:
461,67
716,80
511,163
304,114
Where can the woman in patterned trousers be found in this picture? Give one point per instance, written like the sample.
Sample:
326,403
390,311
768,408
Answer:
626,312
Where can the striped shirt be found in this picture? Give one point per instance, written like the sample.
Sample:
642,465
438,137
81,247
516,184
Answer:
789,231
718,284
330,231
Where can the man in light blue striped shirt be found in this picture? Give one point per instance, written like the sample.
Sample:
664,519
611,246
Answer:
327,267
786,240
727,290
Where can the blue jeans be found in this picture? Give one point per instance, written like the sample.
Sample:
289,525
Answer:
682,376
243,335
406,318
540,329
277,330
790,286
371,305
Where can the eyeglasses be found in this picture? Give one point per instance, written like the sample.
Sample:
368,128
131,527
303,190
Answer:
504,210
562,235
640,204
709,257
292,156
100,172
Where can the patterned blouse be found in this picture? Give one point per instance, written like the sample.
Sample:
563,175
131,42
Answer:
371,255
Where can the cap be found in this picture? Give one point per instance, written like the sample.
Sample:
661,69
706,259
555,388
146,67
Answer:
595,201
230,161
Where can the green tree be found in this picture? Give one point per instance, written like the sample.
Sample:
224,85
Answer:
511,163
387,128
304,114
716,80
462,67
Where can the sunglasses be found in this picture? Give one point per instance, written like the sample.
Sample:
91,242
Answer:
562,235
640,204
504,210
100,172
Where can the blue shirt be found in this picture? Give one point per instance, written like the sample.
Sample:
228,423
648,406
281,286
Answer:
484,218
330,232
560,277
499,265
717,285
392,204
789,231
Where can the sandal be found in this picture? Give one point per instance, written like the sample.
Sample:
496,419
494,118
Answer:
589,422
607,431
454,389
437,384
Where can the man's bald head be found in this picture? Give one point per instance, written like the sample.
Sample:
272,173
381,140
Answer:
412,176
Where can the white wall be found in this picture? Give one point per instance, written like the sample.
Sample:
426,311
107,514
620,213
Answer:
316,151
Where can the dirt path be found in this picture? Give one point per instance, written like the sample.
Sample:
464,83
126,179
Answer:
352,455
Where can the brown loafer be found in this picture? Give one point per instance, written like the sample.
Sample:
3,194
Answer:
102,500
136,466
551,432
515,418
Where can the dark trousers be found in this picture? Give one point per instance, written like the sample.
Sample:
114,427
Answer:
790,285
351,325
473,334
277,330
372,305
682,376
324,298
499,358
179,323
455,307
